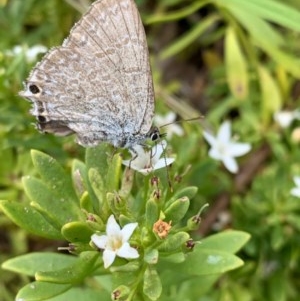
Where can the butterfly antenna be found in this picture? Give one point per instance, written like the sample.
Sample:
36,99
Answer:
182,120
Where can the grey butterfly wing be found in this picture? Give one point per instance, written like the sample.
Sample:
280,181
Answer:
98,84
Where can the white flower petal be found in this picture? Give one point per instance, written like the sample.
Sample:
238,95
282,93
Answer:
115,243
239,149
127,231
163,162
99,240
108,258
295,192
157,151
297,181
215,154
145,171
224,132
222,148
230,164
176,129
170,117
284,118
147,161
127,252
210,138
112,227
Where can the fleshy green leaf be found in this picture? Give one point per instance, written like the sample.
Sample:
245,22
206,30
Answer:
59,209
97,184
208,261
174,242
152,285
173,16
236,66
96,157
29,219
151,256
80,178
190,37
188,192
271,97
152,213
77,232
54,176
29,264
38,291
113,173
227,241
73,273
83,294
177,210
273,11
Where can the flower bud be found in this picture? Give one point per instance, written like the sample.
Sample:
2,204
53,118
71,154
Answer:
120,293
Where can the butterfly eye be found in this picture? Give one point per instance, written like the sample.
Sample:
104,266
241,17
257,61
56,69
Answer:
154,136
34,89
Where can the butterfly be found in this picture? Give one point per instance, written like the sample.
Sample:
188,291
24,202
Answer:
98,83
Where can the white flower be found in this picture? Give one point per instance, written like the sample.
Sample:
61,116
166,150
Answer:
169,120
296,190
147,161
115,242
285,118
223,148
30,53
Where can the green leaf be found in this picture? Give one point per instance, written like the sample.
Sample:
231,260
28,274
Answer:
58,208
257,27
177,210
174,242
274,11
176,15
38,291
74,273
152,287
77,232
80,178
173,258
96,157
271,97
227,241
29,219
293,220
54,176
114,174
83,294
236,66
288,61
151,256
29,264
208,261
129,267
188,192
97,184
152,213
190,37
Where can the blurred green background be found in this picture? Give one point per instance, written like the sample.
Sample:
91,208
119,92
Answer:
232,60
